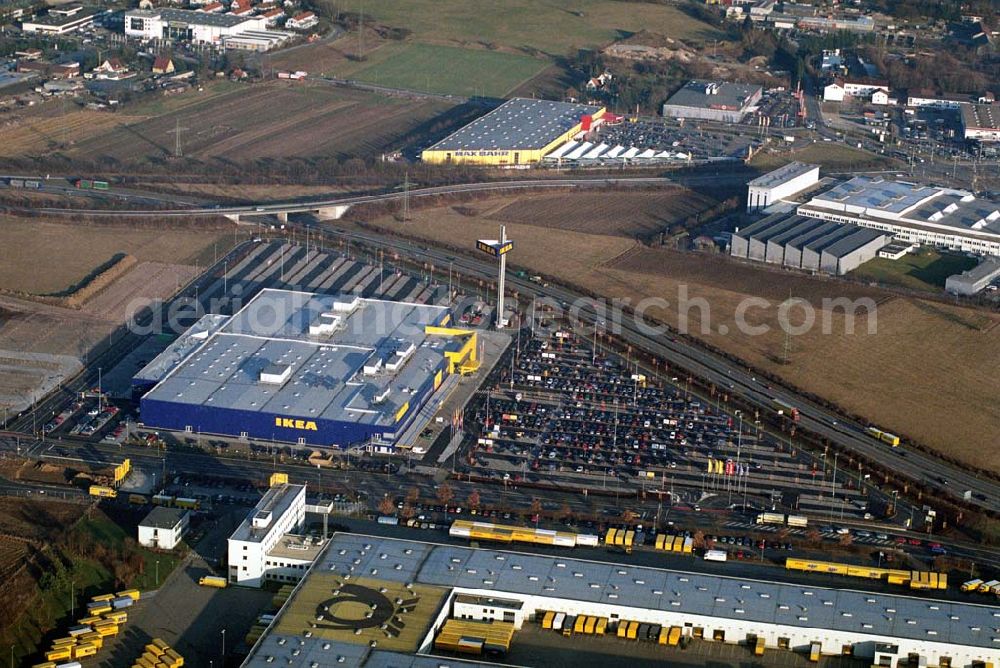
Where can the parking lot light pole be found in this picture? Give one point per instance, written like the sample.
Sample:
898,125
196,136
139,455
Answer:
223,646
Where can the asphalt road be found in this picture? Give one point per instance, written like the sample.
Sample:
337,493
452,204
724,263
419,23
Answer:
312,205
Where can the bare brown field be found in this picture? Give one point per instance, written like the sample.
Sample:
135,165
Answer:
30,135
272,120
144,283
42,257
612,212
930,372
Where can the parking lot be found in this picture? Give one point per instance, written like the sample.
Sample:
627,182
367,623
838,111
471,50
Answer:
581,418
669,135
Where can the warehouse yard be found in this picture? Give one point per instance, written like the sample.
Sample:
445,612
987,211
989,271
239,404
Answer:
881,377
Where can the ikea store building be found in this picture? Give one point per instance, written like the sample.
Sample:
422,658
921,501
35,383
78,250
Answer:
311,369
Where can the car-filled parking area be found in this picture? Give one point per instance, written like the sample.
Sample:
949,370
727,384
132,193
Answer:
579,417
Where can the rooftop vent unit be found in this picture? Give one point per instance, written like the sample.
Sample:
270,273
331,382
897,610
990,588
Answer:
325,325
275,374
262,519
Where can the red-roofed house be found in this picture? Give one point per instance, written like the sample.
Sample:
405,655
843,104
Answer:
163,65
272,16
113,69
302,21
212,8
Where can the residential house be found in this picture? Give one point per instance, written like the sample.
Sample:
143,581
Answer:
272,16
302,21
880,97
212,8
163,65
599,82
112,69
834,91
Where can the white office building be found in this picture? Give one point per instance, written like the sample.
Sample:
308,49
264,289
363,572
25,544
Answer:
781,183
189,26
267,544
163,528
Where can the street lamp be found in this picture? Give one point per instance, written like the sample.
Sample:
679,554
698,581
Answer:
157,572
223,646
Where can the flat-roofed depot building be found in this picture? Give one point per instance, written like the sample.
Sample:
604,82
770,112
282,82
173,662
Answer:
713,100
413,589
811,244
912,213
518,132
783,182
291,366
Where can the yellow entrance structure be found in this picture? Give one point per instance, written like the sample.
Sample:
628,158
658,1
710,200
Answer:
465,360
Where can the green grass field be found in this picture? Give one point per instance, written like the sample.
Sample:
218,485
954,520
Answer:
108,533
926,270
831,155
446,69
555,27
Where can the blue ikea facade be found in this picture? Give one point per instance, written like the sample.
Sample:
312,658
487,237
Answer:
263,425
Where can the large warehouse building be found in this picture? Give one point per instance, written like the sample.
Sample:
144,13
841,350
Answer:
314,369
713,101
518,132
783,182
807,243
981,122
911,213
375,602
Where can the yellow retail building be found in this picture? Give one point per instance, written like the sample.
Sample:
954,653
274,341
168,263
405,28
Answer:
519,132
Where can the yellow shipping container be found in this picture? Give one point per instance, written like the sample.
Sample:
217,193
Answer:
131,593
109,630
116,616
89,620
602,626
664,635
47,664
633,630
84,649
675,635
547,619
590,625
61,642
154,649
59,654
580,624
622,628
99,610
95,638
102,597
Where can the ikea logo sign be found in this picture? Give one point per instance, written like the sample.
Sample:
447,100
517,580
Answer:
289,423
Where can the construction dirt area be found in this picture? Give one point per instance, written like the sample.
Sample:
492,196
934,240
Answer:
880,376
44,334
